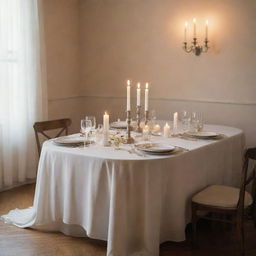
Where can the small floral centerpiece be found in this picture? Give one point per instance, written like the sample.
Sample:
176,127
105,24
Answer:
115,140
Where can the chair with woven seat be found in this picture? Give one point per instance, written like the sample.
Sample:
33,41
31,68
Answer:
227,201
41,127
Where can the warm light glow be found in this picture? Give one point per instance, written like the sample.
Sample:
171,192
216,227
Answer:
138,85
128,82
146,127
186,24
106,113
146,85
206,22
194,20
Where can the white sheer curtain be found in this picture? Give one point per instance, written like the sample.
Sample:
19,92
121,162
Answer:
22,89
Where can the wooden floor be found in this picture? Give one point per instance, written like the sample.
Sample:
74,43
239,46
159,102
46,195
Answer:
27,242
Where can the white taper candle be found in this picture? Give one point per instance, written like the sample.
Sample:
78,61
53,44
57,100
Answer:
185,31
146,97
138,94
206,29
194,22
128,95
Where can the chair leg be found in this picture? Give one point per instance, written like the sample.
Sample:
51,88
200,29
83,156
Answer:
194,226
254,215
240,231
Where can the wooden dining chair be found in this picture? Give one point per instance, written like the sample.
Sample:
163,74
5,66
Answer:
41,127
223,201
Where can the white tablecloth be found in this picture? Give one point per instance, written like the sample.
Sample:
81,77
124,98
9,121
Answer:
132,202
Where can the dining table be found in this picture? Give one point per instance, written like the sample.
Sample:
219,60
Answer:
132,200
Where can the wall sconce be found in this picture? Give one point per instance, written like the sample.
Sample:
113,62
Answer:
195,47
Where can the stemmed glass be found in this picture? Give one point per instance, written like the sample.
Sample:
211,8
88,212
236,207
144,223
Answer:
93,129
86,126
197,121
93,120
185,120
153,116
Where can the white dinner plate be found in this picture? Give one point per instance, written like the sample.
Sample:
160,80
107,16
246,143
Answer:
67,141
203,134
156,133
155,147
119,125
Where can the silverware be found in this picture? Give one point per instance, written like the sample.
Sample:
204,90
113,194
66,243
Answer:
184,149
185,137
132,151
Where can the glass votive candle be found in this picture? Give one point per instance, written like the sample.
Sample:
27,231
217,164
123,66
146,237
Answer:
146,132
167,130
157,128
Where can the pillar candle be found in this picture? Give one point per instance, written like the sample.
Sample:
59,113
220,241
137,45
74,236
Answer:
128,95
138,94
105,122
175,122
166,130
146,97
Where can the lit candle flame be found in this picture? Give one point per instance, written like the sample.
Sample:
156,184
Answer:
206,22
146,85
106,113
194,20
186,24
128,82
138,85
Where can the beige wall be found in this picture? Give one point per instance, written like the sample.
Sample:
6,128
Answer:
93,46
62,39
142,39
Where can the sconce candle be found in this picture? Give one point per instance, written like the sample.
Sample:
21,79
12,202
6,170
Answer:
185,31
206,29
128,95
194,22
195,47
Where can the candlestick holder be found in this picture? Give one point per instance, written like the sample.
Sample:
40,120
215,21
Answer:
129,139
138,128
146,117
195,47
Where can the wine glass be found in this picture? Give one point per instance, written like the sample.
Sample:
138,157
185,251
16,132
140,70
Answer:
185,120
153,116
86,126
99,133
100,128
93,120
197,121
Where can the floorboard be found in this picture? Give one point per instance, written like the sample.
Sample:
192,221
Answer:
27,242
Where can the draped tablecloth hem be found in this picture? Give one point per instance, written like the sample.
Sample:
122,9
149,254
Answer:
134,205
25,218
